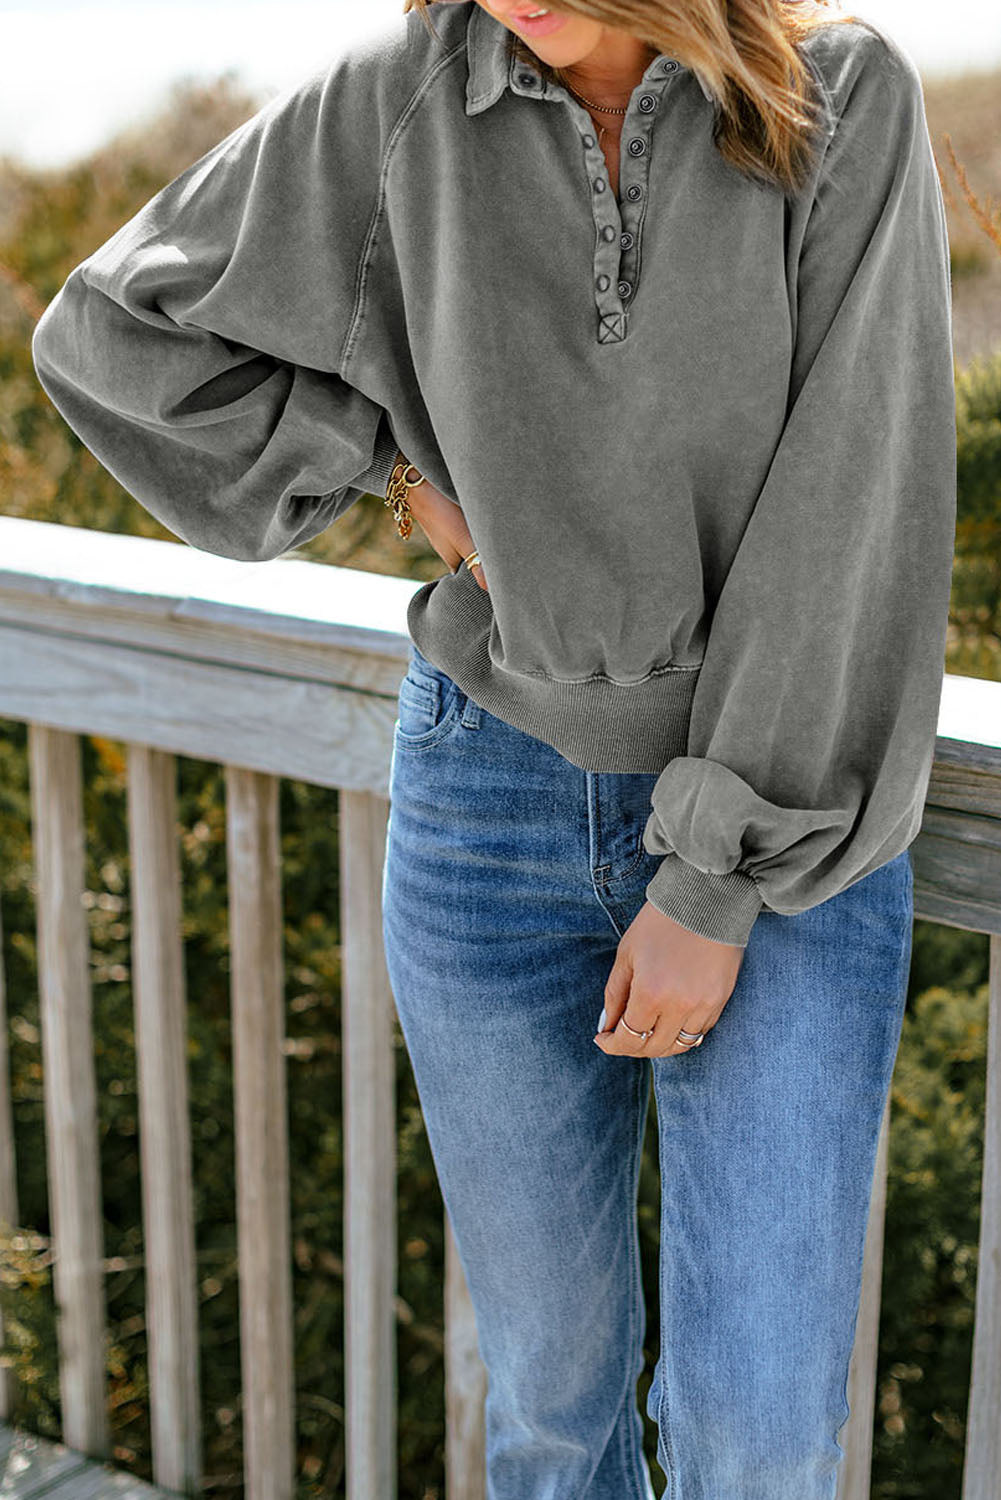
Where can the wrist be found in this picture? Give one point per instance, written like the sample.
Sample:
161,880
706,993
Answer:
402,493
718,906
415,492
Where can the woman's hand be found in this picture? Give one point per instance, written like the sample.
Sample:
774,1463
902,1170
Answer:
668,978
444,525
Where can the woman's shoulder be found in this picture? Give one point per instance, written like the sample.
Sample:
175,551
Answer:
396,54
844,44
852,55
350,104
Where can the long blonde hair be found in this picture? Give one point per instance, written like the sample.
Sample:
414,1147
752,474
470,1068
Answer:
746,53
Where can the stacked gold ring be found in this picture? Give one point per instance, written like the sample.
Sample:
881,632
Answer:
632,1030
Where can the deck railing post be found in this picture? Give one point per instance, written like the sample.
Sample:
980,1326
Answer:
465,1385
982,1465
165,1131
71,1134
8,1172
369,1086
262,1158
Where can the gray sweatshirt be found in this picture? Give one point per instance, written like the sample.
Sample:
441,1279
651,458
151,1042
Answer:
702,432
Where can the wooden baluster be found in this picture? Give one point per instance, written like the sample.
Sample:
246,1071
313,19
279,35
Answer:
164,1134
8,1171
982,1464
71,1127
367,1012
465,1386
262,1165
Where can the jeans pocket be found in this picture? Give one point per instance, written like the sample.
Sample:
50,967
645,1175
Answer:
429,705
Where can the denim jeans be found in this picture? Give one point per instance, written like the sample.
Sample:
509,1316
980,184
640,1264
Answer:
510,877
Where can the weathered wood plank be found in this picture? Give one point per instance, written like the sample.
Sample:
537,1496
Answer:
33,1467
71,1137
7,1439
367,662
957,869
8,1172
934,905
262,1156
95,1482
164,1135
465,1385
959,781
856,1435
285,726
369,1074
287,598
982,1464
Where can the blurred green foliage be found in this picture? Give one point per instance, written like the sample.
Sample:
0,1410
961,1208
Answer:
53,220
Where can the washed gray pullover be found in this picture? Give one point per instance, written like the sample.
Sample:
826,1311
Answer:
703,433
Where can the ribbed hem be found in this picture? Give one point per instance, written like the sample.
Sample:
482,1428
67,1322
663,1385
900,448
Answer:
723,907
597,724
375,479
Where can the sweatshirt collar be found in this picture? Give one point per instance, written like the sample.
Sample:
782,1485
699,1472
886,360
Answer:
492,67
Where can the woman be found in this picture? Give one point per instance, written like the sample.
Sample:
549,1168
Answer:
642,310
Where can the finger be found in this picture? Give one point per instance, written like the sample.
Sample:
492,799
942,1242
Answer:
612,1035
476,568
621,1039
666,1043
616,993
664,1033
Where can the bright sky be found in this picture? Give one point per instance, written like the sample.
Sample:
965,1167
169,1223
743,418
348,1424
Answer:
71,72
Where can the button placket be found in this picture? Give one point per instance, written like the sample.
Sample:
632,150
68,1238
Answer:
617,233
635,172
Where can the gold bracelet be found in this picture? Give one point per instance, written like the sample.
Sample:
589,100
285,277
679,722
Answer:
396,495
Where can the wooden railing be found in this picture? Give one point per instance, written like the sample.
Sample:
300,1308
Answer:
291,669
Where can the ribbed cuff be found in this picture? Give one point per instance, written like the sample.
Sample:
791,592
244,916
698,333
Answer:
722,907
375,479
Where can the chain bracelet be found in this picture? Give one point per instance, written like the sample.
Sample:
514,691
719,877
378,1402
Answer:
397,496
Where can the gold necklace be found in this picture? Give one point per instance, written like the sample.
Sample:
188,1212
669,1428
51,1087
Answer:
605,109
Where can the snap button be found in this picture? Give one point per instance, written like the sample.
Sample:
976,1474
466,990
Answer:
637,146
602,283
589,141
608,233
625,289
647,103
626,239
670,67
599,184
634,192
528,79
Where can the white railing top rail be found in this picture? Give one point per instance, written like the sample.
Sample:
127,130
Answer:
288,598
287,667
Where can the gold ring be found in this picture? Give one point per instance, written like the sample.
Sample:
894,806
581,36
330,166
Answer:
632,1031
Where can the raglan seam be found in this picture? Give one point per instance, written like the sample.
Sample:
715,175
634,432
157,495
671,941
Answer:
831,112
371,238
835,116
838,113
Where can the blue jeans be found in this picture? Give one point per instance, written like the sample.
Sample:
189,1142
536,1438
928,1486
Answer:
510,877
